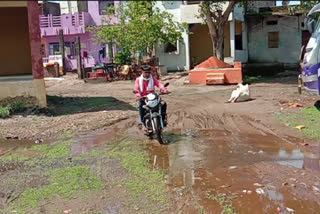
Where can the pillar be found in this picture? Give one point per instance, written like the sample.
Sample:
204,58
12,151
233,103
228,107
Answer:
232,36
245,40
187,51
35,46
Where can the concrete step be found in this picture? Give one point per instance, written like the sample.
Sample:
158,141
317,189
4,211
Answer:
215,78
214,74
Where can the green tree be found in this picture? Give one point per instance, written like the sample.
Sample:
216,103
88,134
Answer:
141,26
216,19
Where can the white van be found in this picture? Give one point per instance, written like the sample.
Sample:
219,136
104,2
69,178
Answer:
311,60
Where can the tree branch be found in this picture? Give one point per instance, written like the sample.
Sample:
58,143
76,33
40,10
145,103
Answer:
229,9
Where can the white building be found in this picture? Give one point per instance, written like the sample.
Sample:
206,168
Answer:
197,47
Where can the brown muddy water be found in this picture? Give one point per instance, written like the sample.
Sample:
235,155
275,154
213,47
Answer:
246,168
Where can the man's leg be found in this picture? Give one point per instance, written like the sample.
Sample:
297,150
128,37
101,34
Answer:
141,111
164,113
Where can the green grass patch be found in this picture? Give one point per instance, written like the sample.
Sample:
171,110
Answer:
15,105
255,79
64,182
309,117
142,179
59,150
4,111
65,135
225,202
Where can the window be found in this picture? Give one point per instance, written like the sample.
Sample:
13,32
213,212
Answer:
193,2
171,48
238,42
54,48
103,7
82,6
273,39
274,22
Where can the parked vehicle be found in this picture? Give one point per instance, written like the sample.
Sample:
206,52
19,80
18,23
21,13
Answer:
310,65
153,120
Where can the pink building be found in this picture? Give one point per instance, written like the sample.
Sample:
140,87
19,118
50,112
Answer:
88,13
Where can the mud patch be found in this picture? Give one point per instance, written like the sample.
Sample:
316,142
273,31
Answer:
210,163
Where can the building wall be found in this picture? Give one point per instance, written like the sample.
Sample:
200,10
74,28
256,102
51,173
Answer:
290,39
190,13
65,9
93,10
173,61
253,6
87,44
15,51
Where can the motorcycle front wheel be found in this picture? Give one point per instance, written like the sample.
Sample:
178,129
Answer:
158,129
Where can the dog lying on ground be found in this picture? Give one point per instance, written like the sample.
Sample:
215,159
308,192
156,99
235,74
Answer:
240,94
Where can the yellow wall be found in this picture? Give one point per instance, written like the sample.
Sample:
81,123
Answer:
238,28
227,48
15,56
13,3
201,45
35,88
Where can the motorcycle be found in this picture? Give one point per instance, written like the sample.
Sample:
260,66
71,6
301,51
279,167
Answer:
153,120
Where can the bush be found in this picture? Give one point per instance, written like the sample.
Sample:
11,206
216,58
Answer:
123,57
4,111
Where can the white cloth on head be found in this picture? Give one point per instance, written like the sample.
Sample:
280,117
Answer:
150,84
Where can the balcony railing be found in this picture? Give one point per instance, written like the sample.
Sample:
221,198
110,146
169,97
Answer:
69,23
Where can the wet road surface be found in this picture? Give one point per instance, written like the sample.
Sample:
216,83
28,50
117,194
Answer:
211,170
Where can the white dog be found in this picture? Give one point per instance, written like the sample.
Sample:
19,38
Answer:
240,94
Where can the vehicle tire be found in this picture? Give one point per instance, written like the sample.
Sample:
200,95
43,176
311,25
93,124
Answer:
158,130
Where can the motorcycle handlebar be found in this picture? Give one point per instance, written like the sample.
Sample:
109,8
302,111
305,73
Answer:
161,93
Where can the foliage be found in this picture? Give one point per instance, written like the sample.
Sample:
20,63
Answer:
4,111
15,105
123,57
141,27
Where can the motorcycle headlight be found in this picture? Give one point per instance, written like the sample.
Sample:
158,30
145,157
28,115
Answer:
153,103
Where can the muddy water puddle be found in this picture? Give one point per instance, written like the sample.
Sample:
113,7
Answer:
258,173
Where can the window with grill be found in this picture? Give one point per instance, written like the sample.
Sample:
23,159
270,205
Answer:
273,39
104,7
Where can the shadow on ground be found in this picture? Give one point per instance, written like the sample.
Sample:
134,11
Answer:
72,105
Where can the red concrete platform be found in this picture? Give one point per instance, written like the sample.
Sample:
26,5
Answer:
214,71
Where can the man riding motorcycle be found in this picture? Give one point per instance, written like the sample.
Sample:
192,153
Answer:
144,85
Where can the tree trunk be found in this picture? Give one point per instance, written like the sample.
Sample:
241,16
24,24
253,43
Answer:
220,41
216,26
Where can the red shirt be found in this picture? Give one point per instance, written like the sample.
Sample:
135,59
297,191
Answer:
145,87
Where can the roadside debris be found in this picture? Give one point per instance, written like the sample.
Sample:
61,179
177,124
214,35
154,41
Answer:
315,189
258,185
300,127
233,167
260,191
295,105
289,210
67,211
247,191
37,141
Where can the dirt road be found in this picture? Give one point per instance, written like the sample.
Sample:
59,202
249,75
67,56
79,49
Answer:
230,158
